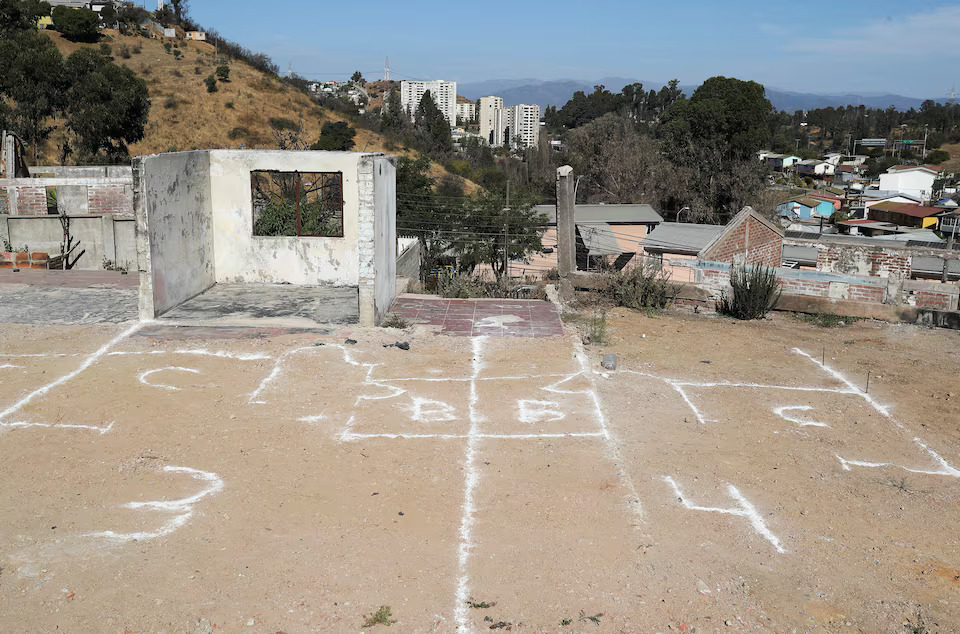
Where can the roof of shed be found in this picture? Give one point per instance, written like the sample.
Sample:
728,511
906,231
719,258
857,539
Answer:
680,237
622,214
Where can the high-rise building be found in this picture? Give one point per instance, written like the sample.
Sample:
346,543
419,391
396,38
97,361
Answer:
493,120
444,94
524,125
466,109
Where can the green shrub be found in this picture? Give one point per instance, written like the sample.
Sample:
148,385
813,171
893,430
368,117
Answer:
211,82
223,72
938,156
78,25
755,290
106,50
238,133
170,103
229,105
137,49
167,47
177,54
646,285
123,51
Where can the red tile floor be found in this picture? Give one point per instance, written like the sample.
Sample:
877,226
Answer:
474,317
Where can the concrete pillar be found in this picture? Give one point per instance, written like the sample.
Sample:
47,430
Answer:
366,242
142,237
566,225
4,231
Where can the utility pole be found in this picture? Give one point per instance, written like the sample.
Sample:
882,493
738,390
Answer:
506,215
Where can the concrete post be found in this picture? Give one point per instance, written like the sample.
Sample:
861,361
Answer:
566,225
366,246
142,237
4,230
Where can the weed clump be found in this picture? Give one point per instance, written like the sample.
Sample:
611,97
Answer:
380,617
755,290
644,286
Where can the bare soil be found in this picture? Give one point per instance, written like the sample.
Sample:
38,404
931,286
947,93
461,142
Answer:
275,484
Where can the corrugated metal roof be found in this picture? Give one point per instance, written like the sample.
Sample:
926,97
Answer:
625,214
680,238
930,264
801,255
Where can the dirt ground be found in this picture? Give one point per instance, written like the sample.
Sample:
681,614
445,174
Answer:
718,480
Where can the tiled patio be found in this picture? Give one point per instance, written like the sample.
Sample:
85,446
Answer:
474,317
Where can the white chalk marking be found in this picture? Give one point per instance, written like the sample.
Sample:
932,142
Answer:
183,507
9,365
240,356
946,469
589,434
779,411
471,478
96,428
743,509
90,360
531,411
312,419
9,355
427,410
143,376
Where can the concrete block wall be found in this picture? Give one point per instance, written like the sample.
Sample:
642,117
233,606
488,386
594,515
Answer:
715,277
860,260
932,295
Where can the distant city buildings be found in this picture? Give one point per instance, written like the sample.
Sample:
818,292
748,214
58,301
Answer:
444,94
518,126
466,109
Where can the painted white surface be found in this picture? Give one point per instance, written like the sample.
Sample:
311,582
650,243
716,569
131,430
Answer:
916,182
243,257
385,232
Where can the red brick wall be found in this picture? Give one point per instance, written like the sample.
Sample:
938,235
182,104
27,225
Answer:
762,245
109,199
31,201
931,299
21,260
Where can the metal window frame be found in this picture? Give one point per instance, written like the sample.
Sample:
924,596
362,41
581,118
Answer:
299,179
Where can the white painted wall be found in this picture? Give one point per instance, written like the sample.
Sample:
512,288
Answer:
243,257
917,183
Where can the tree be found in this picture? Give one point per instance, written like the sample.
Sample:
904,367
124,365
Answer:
335,136
357,78
32,82
421,213
211,83
107,106
432,128
223,72
77,25
179,10
20,15
131,17
491,233
393,119
716,134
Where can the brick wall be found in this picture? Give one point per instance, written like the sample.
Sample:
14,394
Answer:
110,199
23,260
31,201
860,260
716,278
762,245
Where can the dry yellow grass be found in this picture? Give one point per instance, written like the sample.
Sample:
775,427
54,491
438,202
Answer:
184,116
953,165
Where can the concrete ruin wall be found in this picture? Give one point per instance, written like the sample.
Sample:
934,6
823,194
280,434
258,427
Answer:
384,238
750,242
104,238
79,191
244,257
175,242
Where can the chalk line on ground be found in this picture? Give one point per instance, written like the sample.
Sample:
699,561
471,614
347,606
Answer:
779,411
143,376
743,509
183,507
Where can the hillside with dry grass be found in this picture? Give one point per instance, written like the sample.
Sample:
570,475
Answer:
185,116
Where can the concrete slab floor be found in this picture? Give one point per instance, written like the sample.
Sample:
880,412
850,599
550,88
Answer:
278,305
65,304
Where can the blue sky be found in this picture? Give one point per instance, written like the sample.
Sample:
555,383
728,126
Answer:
909,47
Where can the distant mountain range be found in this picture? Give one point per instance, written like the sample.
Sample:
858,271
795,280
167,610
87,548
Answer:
558,92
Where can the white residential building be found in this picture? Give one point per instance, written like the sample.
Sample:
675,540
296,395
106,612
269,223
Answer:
524,123
914,181
466,110
493,120
444,94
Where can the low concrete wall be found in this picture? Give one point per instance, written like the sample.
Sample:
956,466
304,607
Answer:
76,195
408,261
174,214
102,237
